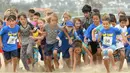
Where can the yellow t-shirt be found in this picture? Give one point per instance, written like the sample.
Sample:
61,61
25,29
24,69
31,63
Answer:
35,34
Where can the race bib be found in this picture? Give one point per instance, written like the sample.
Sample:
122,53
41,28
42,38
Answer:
12,40
107,41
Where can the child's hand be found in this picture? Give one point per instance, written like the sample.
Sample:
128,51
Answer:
85,40
60,43
1,46
32,38
94,39
70,41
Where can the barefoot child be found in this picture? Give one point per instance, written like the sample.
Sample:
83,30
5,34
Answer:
78,47
120,40
108,40
8,39
67,55
79,30
94,45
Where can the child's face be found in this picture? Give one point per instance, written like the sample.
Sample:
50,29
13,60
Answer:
77,50
106,24
40,23
66,17
23,20
35,18
30,15
77,24
69,28
96,20
12,22
53,21
123,23
86,14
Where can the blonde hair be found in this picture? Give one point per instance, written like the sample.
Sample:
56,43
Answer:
66,13
52,15
106,17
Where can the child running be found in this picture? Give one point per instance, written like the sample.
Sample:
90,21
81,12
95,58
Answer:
94,45
8,39
108,40
120,40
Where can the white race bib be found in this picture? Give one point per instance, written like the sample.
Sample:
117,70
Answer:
12,40
107,41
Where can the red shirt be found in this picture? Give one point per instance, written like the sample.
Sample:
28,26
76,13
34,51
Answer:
1,51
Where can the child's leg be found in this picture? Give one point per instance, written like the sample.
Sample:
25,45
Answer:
71,56
15,62
122,57
30,52
23,56
48,64
106,59
55,54
7,58
99,56
110,54
86,59
95,59
106,63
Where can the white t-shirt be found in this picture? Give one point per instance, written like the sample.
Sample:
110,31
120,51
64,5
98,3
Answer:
120,44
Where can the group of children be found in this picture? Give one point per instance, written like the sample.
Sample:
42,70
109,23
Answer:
23,37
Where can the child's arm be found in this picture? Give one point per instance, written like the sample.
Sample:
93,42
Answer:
93,34
74,65
88,52
1,44
39,37
67,35
124,38
19,38
76,35
59,40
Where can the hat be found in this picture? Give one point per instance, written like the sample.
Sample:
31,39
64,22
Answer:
69,23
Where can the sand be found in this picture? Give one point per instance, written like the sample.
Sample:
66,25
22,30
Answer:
82,69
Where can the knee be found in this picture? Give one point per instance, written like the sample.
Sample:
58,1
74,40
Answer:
99,51
110,52
55,52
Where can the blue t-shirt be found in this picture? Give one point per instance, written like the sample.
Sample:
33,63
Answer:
128,33
9,37
88,32
80,34
109,36
65,42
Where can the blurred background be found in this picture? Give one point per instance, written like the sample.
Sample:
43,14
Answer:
72,6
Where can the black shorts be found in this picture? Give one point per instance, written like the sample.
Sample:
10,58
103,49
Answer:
19,52
10,54
49,48
94,46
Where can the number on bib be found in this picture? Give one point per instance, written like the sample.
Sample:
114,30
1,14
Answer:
107,41
12,40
